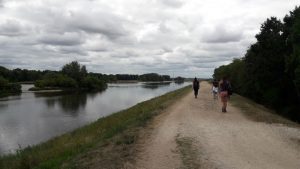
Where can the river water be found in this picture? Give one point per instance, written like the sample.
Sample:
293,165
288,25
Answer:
32,118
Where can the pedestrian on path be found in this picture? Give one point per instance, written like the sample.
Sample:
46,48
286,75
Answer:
215,89
196,87
224,87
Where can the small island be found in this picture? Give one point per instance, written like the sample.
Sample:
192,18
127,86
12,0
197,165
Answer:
72,76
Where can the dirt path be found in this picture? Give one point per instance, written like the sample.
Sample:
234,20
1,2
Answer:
193,133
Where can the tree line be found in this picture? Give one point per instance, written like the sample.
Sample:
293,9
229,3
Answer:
269,73
72,76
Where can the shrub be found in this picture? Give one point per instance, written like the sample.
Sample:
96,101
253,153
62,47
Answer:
93,83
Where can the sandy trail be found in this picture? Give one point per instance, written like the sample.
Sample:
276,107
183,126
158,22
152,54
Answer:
193,133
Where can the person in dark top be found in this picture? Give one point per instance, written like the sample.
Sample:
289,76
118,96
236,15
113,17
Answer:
224,86
196,87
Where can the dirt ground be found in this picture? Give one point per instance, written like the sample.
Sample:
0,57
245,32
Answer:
194,133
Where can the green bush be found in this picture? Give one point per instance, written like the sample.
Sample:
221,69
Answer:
58,80
3,83
8,88
93,83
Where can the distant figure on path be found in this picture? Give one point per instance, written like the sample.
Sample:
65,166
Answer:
196,87
224,86
215,88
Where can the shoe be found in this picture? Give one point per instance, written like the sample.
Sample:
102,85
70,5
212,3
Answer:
224,110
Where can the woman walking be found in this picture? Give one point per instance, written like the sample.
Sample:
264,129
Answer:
196,87
224,86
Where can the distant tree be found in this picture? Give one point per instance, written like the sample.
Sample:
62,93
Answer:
7,88
166,77
179,79
151,77
72,76
83,71
126,77
74,70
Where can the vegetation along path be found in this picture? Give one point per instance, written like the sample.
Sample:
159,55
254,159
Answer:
193,133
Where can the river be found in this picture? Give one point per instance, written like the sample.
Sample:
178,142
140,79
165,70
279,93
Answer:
32,118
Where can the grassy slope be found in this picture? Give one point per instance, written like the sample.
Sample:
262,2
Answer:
53,153
257,112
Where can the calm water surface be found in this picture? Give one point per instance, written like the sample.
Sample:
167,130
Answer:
32,118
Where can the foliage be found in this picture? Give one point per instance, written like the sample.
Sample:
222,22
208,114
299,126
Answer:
20,75
93,83
154,77
74,70
179,79
270,71
72,76
56,80
7,88
126,77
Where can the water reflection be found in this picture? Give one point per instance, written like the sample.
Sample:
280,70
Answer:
155,85
36,117
70,103
179,82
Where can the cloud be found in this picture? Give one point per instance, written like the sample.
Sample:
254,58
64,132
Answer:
172,3
106,24
66,39
12,28
175,37
221,34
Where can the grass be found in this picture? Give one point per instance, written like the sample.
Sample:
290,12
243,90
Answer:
257,112
53,153
188,152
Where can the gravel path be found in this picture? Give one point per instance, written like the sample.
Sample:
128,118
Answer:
193,133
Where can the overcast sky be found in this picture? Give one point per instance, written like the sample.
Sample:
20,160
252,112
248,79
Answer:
176,37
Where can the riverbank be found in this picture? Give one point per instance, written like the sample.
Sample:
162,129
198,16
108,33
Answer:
55,152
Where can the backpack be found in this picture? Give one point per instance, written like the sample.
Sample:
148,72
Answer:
229,88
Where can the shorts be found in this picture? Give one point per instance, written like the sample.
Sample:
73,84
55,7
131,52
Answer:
224,96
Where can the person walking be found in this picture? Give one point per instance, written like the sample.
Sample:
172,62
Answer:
215,89
224,87
196,87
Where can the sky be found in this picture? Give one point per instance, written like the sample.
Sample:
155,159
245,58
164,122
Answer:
187,38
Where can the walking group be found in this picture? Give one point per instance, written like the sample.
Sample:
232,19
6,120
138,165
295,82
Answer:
220,88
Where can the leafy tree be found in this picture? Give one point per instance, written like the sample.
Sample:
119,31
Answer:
270,71
93,83
7,88
56,80
72,70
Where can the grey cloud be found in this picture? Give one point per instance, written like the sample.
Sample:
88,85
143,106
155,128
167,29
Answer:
102,23
222,35
72,50
11,28
67,39
172,3
124,54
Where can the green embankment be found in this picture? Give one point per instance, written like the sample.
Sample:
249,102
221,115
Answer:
53,153
257,112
